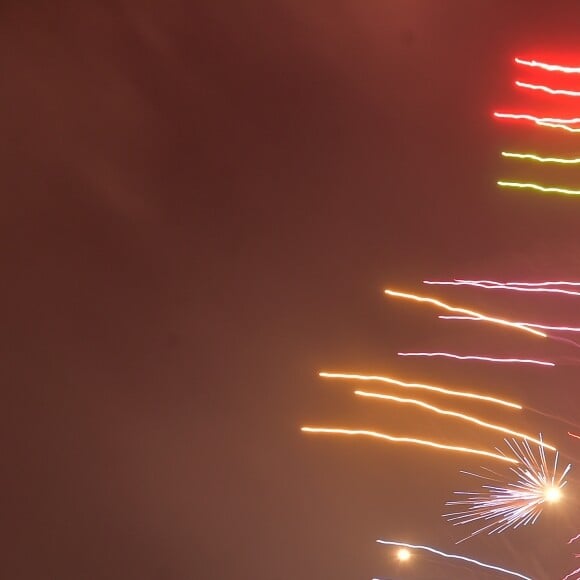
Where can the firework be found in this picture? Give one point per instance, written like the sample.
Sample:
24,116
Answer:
532,157
547,89
536,187
530,324
441,390
444,306
515,503
448,413
412,440
480,358
453,557
548,67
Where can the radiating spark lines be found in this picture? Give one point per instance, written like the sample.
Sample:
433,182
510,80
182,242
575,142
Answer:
448,413
530,324
537,187
480,358
444,306
535,119
453,557
500,286
548,90
513,504
548,67
412,440
432,388
533,157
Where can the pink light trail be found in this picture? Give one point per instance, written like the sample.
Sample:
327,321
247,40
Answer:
500,286
479,358
530,324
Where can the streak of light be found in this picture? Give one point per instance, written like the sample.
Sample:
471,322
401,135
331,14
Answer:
448,413
512,504
558,126
530,324
573,573
501,286
432,388
537,120
548,67
444,306
574,435
537,187
453,557
532,157
480,358
547,89
461,281
394,439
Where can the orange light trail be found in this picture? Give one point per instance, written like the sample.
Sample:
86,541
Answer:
547,89
444,306
432,388
537,187
393,439
453,414
548,67
532,157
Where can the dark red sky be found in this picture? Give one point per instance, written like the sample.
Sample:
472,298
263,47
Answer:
202,203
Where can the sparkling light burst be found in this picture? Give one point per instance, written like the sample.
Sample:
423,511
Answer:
515,503
539,159
480,358
536,187
455,414
548,67
453,557
444,306
548,90
412,440
441,390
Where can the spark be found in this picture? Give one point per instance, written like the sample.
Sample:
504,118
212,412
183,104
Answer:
533,157
392,438
461,281
444,306
453,414
515,503
501,286
432,388
530,324
480,358
548,67
547,89
539,187
537,120
574,435
453,557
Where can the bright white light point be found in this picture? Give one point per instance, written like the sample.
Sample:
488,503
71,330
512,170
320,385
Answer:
552,494
403,554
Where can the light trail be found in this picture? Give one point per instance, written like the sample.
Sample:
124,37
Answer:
480,358
558,126
448,413
539,187
412,440
538,120
500,286
548,90
453,557
530,324
461,281
444,306
548,67
539,159
432,388
574,435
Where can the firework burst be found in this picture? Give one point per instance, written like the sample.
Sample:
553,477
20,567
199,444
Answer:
498,506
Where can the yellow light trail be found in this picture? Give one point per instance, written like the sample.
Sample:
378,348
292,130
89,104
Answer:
422,386
533,157
492,319
557,126
392,438
537,187
453,414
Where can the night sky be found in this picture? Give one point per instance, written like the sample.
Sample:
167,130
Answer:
202,205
